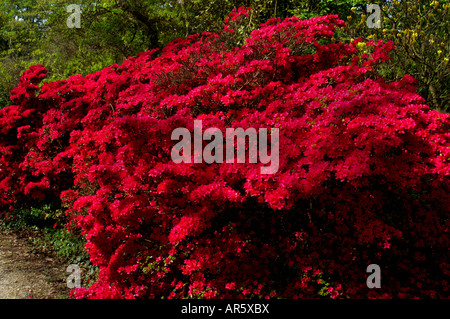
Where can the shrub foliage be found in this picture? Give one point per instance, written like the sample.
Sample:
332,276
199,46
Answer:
363,177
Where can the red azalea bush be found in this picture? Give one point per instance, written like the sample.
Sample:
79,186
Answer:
363,176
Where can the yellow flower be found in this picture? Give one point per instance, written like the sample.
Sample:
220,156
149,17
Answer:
439,52
361,45
353,9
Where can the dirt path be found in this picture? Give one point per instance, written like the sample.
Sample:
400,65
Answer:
24,274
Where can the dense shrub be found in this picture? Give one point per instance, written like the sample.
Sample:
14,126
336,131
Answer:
363,177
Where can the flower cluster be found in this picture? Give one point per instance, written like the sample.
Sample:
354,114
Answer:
363,169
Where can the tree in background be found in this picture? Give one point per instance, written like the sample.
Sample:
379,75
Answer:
420,32
35,32
20,29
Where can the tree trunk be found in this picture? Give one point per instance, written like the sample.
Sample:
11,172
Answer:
434,98
140,14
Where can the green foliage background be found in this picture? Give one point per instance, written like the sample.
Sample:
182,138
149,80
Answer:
35,31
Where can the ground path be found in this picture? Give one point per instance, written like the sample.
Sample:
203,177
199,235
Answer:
24,274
